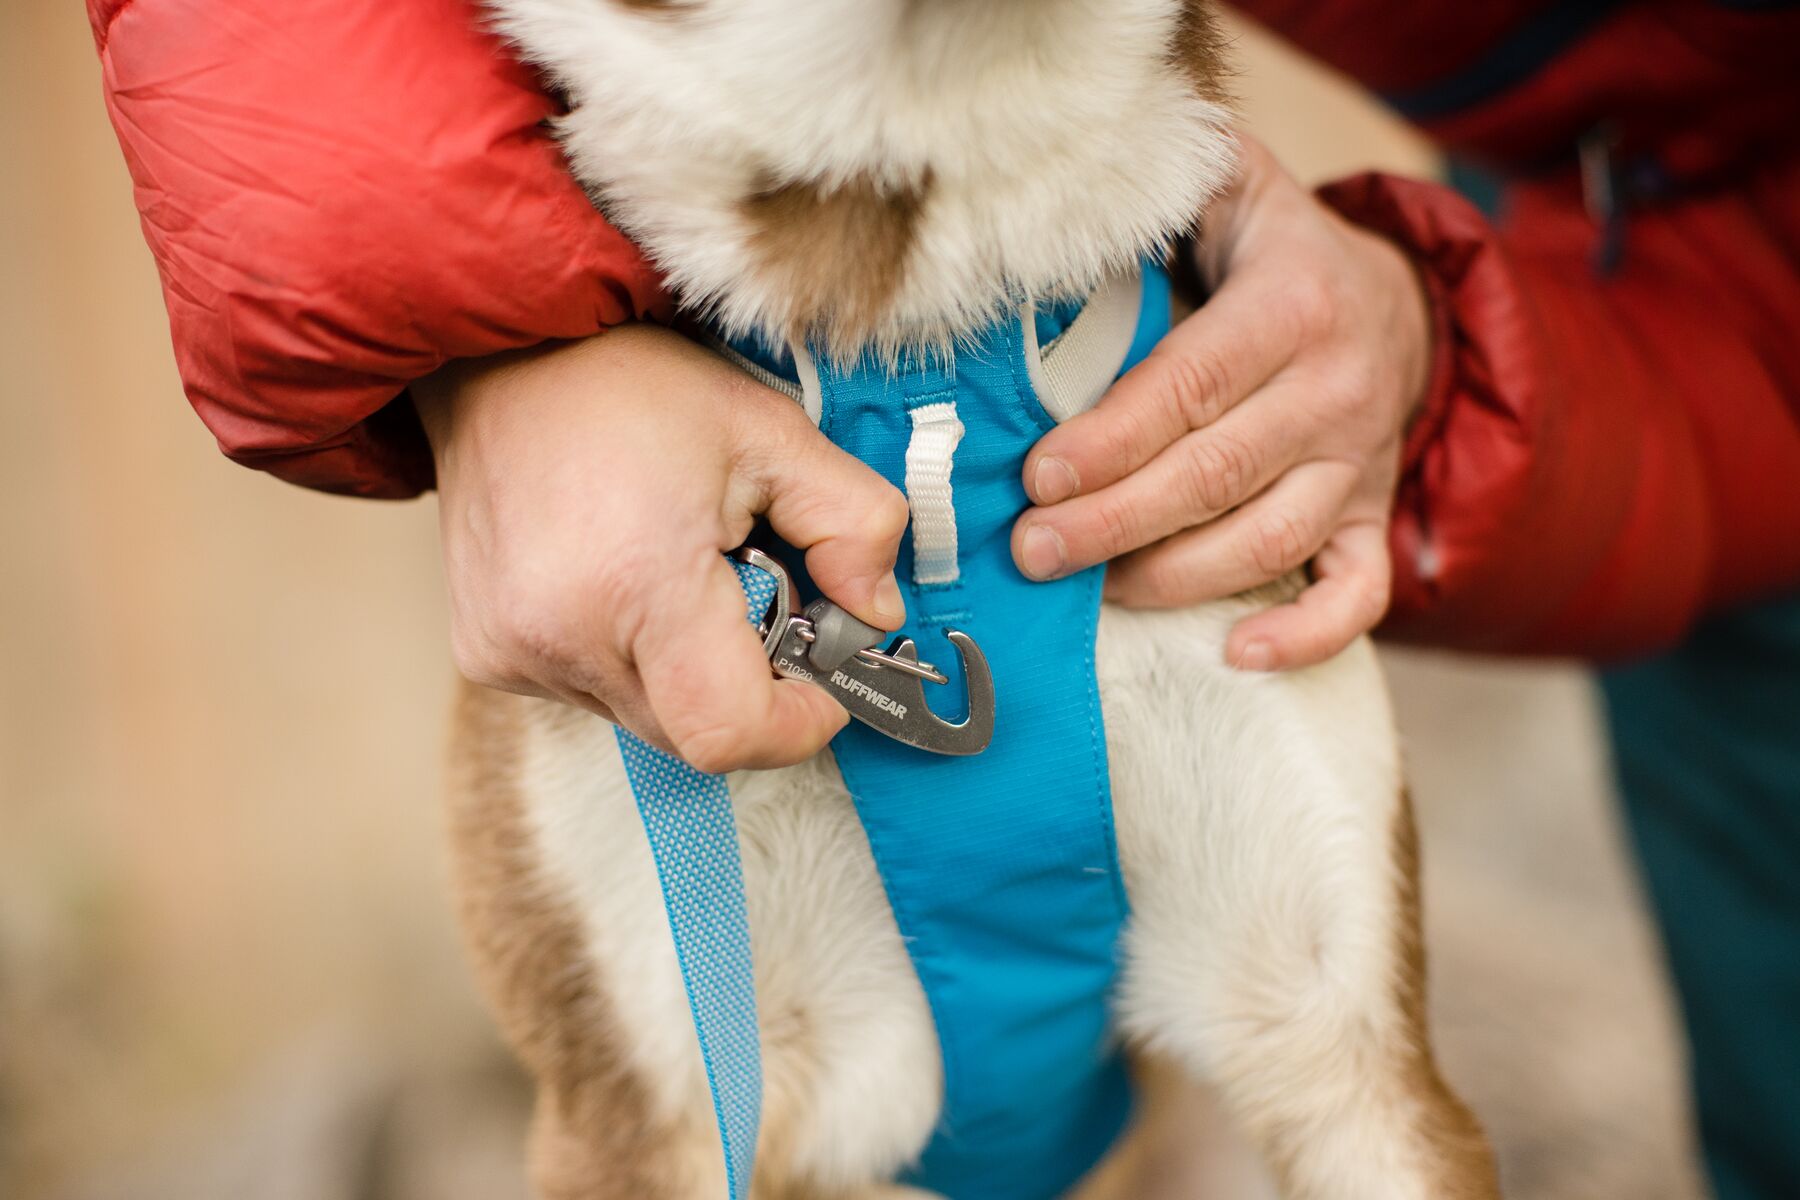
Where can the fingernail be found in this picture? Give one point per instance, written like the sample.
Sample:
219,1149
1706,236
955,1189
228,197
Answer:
888,604
1053,481
1257,656
1042,551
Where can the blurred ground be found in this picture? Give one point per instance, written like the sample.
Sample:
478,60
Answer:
226,961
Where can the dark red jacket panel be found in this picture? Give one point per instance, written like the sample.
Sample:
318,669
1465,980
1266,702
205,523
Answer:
1607,452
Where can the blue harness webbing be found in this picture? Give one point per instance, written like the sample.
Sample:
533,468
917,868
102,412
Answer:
693,838
1000,867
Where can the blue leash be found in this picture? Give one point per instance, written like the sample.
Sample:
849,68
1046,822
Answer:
693,838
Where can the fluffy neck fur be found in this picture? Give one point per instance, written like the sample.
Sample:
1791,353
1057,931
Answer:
885,173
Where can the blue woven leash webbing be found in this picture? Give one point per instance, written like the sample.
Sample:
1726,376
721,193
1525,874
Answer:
693,838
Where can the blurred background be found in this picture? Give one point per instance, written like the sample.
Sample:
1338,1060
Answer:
227,966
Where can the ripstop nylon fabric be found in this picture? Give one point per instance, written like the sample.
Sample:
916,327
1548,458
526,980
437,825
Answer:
1001,868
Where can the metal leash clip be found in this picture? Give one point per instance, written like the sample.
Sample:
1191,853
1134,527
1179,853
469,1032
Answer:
884,689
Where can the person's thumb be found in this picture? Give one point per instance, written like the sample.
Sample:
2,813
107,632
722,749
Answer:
847,518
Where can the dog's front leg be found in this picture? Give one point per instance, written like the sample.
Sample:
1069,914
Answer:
1274,949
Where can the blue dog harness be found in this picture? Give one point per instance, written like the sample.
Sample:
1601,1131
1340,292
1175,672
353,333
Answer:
1000,867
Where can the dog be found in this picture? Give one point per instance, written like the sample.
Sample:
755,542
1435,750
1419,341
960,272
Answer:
879,176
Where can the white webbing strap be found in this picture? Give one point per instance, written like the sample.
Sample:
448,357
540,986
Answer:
929,455
1075,369
1069,375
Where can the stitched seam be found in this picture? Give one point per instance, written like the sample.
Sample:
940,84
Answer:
1115,873
924,960
1097,750
1029,402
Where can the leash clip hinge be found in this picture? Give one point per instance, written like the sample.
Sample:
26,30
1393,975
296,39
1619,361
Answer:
884,689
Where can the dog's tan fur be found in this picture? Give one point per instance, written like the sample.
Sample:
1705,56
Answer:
592,1121
1466,1166
841,249
1199,49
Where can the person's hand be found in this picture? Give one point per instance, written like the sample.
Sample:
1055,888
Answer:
1262,434
586,493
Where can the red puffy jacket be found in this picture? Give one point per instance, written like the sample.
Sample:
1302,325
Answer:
343,194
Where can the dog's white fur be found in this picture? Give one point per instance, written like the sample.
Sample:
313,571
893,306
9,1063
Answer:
1059,140
1256,814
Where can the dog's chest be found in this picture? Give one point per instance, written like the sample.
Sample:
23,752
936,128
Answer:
839,998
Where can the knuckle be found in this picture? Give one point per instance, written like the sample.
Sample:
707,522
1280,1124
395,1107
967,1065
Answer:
887,515
1195,388
1346,395
525,624
1277,542
617,599
1119,528
1312,303
1115,441
476,661
1220,471
1372,600
549,615
712,748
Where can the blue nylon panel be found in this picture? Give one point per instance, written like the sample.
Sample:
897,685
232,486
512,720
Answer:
1155,314
1001,868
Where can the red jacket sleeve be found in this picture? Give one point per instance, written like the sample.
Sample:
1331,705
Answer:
1601,459
340,196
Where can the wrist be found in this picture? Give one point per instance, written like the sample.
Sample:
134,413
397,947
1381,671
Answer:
459,402
431,399
445,400
1409,318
